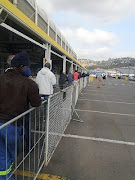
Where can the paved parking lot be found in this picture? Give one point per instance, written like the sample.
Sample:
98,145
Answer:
103,146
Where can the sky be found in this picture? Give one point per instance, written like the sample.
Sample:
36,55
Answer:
95,29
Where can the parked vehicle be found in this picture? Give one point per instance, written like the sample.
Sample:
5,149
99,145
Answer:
132,78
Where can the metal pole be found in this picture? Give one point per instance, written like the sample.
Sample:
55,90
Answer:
47,131
36,13
15,2
64,63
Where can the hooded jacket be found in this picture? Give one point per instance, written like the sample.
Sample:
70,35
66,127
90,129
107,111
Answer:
45,80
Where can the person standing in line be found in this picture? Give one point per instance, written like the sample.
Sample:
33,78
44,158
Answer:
80,75
45,80
75,77
70,78
62,80
16,91
28,145
9,59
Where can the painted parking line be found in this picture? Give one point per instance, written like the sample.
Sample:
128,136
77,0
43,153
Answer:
116,102
105,90
101,112
40,176
92,138
99,139
102,94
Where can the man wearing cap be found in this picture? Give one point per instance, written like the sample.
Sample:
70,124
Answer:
16,91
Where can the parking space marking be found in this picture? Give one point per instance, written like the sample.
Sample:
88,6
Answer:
99,139
101,112
91,138
106,101
102,94
90,90
40,176
99,91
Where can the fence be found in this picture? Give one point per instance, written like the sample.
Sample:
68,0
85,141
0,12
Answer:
34,142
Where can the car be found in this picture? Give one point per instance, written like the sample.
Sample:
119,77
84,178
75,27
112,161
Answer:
132,78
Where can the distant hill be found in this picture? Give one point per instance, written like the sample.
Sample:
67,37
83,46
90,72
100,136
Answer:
109,64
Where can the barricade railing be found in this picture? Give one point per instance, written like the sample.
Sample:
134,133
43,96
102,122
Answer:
24,149
36,134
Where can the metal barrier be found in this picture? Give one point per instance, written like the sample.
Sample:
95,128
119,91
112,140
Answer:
37,133
59,115
27,148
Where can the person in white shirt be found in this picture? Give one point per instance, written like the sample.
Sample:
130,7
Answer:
45,80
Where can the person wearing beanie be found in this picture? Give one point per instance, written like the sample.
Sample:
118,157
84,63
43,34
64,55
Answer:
16,91
21,61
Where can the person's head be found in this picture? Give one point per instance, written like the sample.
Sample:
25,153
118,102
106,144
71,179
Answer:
21,61
75,70
48,65
9,59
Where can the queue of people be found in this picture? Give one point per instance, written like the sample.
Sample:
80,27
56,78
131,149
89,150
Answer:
69,78
17,92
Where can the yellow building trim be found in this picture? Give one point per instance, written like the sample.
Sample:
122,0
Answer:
10,8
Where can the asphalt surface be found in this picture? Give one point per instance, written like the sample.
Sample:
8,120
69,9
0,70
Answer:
103,146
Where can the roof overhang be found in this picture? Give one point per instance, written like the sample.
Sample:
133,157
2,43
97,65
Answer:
20,17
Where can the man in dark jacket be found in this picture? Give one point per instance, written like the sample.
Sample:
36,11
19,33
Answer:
16,91
62,80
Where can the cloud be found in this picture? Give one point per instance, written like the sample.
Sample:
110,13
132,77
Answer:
94,54
84,38
104,10
91,41
102,54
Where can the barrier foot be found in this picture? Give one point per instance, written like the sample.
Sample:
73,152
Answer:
78,120
81,94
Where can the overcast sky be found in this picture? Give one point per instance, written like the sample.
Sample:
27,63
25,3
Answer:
96,29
